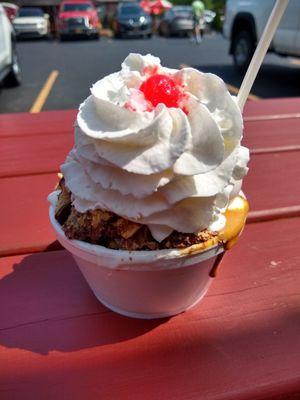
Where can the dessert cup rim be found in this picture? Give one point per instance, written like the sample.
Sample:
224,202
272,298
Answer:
133,255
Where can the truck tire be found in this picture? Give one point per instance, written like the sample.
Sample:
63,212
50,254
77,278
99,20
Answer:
242,50
14,76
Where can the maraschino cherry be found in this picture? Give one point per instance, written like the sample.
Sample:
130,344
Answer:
160,88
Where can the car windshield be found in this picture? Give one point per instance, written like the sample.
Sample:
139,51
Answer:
131,10
184,12
30,12
77,7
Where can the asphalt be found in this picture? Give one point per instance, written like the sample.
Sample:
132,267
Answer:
80,63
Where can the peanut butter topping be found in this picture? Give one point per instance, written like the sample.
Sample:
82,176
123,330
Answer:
112,231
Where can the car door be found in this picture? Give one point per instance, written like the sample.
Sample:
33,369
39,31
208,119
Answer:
166,22
4,40
285,39
297,42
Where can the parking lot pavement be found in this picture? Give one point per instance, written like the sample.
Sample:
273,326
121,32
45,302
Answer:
58,75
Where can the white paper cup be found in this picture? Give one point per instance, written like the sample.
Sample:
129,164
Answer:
141,284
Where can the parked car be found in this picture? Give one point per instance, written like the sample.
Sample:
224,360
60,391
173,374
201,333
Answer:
131,20
244,24
9,64
178,21
31,22
78,17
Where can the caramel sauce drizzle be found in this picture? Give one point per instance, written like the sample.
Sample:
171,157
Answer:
236,214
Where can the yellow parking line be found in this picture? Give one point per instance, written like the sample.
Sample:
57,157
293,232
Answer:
44,93
231,88
235,90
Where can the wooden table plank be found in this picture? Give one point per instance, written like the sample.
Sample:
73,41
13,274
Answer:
272,180
31,144
43,153
46,122
266,134
290,105
270,184
33,154
24,219
239,343
38,293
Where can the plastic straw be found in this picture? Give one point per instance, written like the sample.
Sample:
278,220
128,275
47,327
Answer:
260,51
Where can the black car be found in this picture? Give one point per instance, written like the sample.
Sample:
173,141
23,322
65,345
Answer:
131,20
178,21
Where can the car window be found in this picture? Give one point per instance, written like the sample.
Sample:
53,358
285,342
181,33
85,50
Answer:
30,12
169,14
184,12
130,10
77,7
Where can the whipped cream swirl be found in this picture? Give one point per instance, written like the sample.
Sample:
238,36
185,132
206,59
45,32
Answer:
169,168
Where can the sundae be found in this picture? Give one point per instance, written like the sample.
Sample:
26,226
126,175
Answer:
151,191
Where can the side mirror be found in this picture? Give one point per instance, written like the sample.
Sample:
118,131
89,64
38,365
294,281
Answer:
46,16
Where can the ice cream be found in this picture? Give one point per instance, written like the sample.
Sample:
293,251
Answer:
157,147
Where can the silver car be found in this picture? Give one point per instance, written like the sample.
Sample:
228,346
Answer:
178,21
9,64
31,22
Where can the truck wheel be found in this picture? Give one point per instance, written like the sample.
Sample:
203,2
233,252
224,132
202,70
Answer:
14,76
242,49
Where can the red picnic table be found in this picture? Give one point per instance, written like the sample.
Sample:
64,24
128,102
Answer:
241,342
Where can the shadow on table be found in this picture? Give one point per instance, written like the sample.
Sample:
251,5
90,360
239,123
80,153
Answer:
235,341
46,305
272,81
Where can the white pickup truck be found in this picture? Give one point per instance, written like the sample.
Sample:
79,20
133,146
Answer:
9,64
244,24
